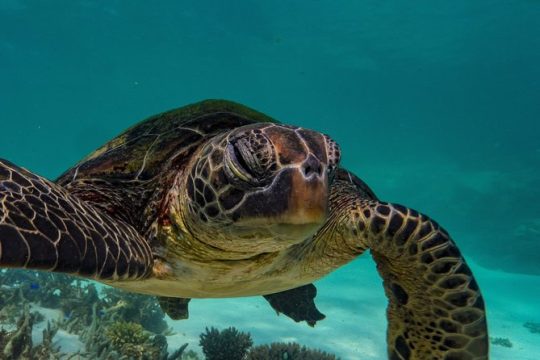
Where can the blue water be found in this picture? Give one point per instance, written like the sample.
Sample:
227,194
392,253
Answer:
436,105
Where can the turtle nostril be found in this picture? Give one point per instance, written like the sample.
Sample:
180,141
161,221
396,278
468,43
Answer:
311,167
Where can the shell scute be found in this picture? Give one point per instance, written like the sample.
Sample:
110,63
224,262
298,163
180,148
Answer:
143,150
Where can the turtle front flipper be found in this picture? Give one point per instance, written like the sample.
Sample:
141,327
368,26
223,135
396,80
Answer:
43,227
435,310
297,303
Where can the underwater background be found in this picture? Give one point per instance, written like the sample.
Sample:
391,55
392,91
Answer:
436,105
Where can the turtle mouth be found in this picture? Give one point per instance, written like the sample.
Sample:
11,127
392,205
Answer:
279,232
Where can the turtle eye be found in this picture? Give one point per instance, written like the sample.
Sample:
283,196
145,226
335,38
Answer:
244,157
250,156
236,163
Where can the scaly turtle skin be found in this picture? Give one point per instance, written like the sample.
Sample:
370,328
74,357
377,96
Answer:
218,200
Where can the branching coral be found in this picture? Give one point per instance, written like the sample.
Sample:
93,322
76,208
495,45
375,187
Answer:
121,333
227,344
17,344
289,351
47,349
86,314
233,345
73,297
131,340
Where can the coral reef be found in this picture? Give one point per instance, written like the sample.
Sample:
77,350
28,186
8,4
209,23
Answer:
142,309
289,351
501,341
126,340
75,297
228,344
100,320
112,325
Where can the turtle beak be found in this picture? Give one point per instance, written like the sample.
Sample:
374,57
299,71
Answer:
296,203
307,207
308,199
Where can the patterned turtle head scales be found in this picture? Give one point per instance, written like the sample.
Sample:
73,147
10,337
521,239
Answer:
261,181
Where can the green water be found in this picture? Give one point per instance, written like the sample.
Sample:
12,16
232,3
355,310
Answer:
436,105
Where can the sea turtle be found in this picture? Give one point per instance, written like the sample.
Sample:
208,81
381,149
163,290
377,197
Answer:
218,200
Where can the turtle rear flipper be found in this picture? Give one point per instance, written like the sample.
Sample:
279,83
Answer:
176,308
297,304
44,227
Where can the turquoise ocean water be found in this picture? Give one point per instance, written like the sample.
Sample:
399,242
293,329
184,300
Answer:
436,105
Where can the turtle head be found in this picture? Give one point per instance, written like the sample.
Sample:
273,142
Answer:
264,185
